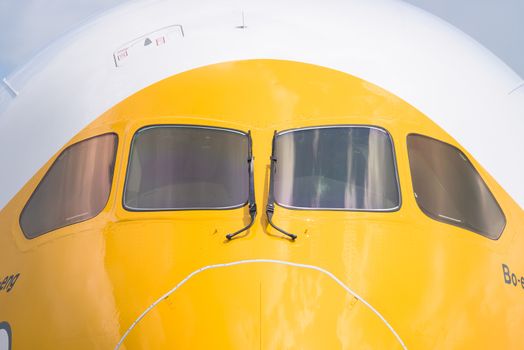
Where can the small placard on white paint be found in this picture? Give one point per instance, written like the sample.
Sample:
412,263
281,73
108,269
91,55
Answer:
146,45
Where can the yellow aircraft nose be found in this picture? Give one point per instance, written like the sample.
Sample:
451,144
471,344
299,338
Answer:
260,304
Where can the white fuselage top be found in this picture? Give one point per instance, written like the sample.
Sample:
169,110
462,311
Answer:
430,64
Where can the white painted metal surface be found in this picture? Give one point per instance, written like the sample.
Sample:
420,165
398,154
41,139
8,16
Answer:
4,340
421,59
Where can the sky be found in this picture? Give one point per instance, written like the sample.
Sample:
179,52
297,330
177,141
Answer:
29,25
496,24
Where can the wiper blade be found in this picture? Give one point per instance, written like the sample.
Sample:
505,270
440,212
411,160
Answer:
252,202
270,208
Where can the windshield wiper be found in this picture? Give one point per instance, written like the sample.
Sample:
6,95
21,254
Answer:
252,203
270,208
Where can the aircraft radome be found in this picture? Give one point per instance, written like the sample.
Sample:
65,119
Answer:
262,175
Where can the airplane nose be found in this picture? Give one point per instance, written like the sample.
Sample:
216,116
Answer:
260,304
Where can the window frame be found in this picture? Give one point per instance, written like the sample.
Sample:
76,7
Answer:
451,222
117,140
188,126
362,126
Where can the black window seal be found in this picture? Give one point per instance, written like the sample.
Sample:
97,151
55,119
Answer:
47,173
463,226
366,126
153,210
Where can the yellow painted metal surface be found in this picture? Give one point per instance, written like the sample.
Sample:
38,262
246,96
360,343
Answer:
438,286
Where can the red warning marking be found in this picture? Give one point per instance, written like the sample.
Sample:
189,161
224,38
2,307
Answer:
122,54
160,41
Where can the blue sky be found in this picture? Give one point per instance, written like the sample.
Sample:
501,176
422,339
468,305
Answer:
496,24
26,26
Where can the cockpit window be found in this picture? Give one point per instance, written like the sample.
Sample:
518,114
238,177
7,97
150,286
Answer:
177,167
76,187
336,168
449,189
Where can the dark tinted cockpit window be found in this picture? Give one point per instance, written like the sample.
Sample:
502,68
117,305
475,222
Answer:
449,189
342,167
76,187
187,167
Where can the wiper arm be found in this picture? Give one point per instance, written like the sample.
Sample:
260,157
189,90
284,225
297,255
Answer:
270,208
253,214
252,203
